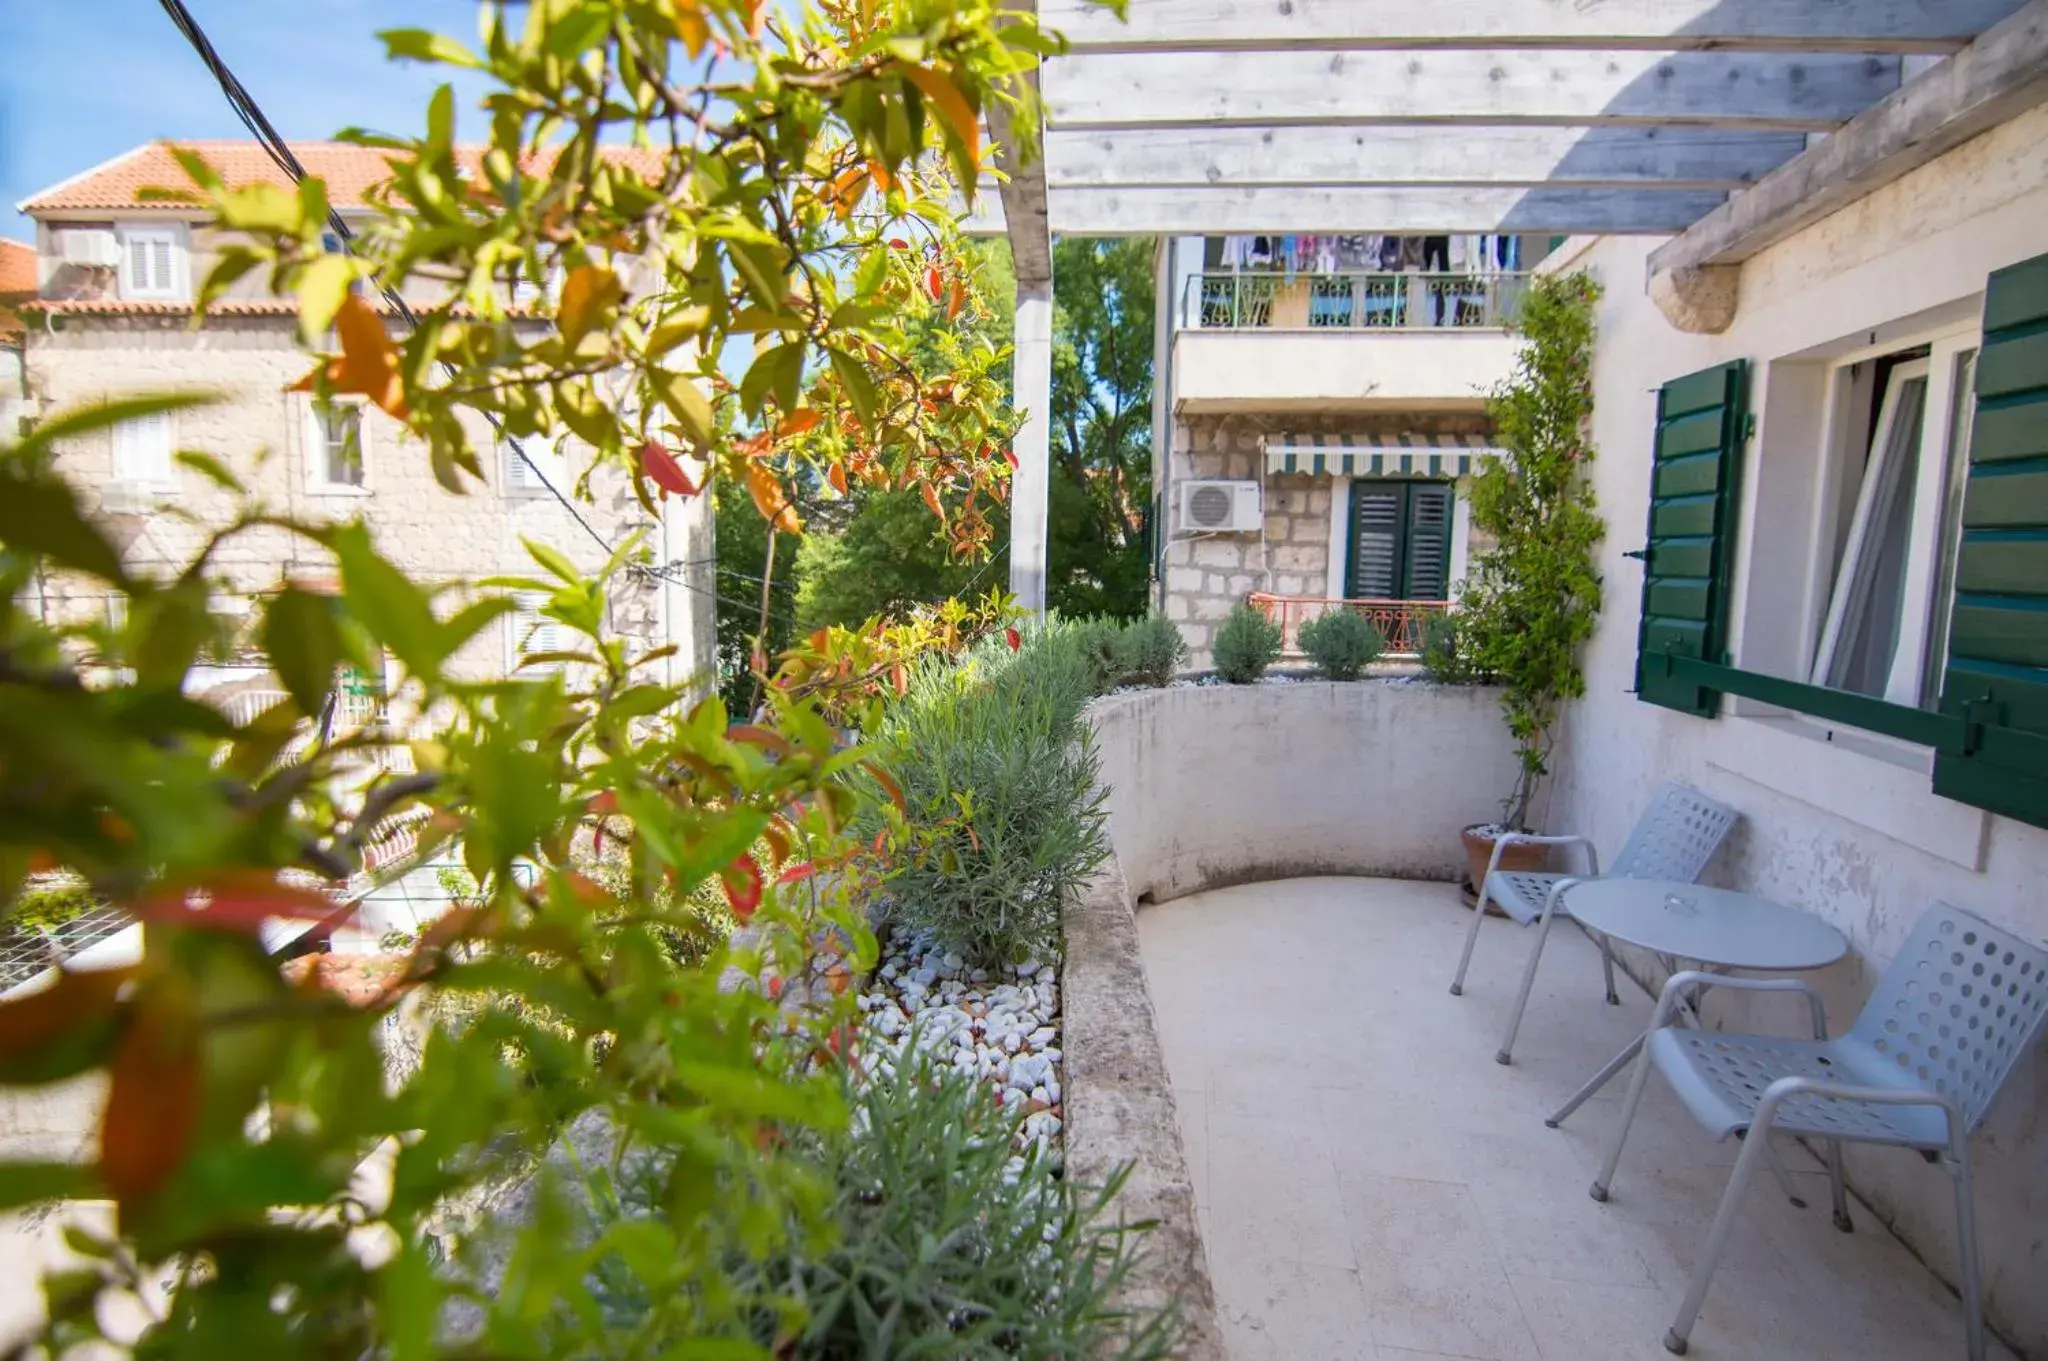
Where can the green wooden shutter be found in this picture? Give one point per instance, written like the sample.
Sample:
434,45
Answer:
1696,467
1374,572
1429,541
1997,672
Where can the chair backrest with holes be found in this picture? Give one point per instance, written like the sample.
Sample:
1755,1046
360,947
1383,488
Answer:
1958,1007
1676,837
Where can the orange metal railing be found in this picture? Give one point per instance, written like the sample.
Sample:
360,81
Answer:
1400,622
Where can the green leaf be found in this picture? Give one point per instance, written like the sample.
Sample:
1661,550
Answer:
870,273
304,644
860,389
745,1091
174,626
760,269
578,31
86,419
262,207
441,117
417,44
42,517
554,560
211,468
322,287
687,403
471,620
395,611
25,1183
714,1349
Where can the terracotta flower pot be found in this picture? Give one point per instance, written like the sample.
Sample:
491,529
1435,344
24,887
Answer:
1478,839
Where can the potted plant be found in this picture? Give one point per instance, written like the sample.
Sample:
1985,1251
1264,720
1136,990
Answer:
1532,596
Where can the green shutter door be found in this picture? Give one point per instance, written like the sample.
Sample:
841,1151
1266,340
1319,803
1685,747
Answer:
1997,671
1378,515
1400,541
1696,466
1429,541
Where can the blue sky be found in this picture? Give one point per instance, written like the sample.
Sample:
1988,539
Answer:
84,80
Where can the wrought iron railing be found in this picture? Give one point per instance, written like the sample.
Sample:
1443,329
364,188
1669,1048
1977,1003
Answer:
1400,622
1256,300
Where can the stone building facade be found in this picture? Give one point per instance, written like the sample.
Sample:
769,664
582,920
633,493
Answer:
1204,576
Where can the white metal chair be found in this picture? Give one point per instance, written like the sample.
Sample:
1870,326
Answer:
1674,839
1920,1069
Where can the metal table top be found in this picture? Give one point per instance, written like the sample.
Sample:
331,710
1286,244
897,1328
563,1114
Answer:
1713,926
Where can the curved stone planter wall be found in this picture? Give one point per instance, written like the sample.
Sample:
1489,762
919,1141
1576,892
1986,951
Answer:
1216,785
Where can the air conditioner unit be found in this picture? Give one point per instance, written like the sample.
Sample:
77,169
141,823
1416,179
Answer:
94,246
1220,507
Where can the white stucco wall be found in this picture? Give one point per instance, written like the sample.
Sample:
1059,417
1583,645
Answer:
1213,785
1360,370
1853,835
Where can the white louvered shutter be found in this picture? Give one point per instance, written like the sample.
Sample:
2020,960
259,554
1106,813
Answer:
142,451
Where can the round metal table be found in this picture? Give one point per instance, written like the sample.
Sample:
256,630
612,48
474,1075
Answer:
1716,929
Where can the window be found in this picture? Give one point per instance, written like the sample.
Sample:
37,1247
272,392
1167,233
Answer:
1400,542
142,453
1900,451
153,262
335,446
523,474
532,633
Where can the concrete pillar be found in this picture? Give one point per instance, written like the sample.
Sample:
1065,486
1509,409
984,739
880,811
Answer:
689,590
1030,487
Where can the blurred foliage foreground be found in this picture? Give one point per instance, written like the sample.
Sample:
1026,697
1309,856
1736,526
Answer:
794,201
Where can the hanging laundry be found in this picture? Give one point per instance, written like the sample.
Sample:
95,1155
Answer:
1326,255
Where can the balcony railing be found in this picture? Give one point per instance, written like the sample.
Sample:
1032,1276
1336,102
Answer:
1352,302
1400,622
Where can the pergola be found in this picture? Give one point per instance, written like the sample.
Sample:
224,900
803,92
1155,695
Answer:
1725,124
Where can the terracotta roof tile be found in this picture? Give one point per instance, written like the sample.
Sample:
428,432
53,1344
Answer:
17,268
350,172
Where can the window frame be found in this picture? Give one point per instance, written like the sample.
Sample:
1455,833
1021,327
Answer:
178,236
158,482
318,483
524,622
553,463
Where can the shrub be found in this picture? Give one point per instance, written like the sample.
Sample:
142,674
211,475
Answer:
1150,650
1246,644
1342,643
1101,643
940,1239
1446,656
998,777
49,905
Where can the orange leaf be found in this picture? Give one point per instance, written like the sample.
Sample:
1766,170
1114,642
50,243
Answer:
233,900
796,422
900,678
770,500
369,361
942,94
587,291
835,473
742,880
931,498
659,464
956,300
152,1107
691,27
934,282
888,783
33,1020
758,736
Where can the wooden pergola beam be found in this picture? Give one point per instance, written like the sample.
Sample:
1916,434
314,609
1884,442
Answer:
1405,210
1896,26
1223,89
2001,75
1614,157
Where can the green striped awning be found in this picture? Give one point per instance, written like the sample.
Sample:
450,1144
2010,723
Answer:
1389,455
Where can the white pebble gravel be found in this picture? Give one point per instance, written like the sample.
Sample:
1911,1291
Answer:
1000,1025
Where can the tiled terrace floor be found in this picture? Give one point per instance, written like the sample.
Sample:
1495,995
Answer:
1372,1186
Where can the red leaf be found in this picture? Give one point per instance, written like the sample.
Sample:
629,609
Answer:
233,900
152,1108
659,464
1013,638
934,282
759,737
1010,457
742,880
796,873
898,243
33,1020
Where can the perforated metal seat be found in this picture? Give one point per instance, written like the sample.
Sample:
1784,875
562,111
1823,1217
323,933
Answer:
1921,1067
1674,839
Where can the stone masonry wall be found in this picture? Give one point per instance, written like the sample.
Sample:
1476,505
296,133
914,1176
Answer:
261,432
1207,575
